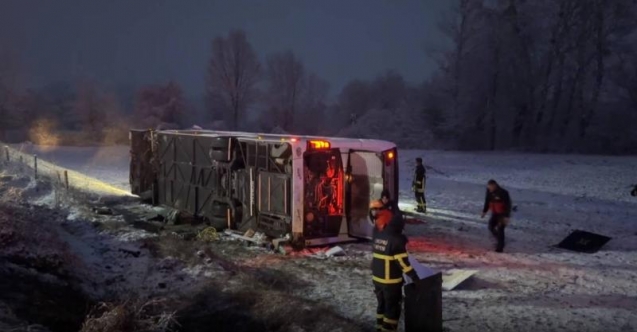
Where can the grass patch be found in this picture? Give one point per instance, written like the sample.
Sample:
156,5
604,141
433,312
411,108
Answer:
131,316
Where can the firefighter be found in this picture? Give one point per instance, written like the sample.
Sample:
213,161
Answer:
389,262
385,203
498,201
418,186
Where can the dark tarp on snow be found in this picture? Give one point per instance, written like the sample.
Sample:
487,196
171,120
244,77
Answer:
582,241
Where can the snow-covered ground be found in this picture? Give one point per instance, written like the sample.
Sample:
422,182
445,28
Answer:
531,287
108,163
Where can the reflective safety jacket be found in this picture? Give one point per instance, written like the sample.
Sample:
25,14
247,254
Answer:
418,183
390,257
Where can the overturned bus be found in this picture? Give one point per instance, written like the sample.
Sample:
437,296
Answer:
315,190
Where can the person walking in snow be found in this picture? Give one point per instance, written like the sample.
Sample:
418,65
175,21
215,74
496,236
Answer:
418,186
498,201
390,261
634,191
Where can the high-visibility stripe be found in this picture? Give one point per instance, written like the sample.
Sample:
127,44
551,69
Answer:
402,263
383,257
387,281
400,258
387,267
393,329
403,255
380,316
390,321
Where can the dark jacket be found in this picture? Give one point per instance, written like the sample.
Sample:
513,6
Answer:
418,182
391,204
498,202
390,259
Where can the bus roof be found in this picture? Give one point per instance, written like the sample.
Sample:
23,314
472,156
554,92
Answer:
337,142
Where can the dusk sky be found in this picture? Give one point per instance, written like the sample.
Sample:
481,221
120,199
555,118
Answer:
124,42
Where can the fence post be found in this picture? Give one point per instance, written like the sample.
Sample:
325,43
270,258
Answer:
59,176
66,179
6,152
35,165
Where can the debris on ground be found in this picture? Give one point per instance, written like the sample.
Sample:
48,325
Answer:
257,238
335,251
158,217
208,234
103,210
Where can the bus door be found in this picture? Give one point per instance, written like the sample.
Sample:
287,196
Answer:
365,183
323,191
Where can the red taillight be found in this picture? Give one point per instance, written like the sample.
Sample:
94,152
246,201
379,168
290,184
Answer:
318,145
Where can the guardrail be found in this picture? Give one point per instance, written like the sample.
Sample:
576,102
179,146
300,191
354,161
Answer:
69,179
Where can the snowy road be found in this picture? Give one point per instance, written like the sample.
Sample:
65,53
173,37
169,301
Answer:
532,286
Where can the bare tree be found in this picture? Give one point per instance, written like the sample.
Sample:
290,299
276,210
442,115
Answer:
286,85
58,99
388,90
233,72
311,119
541,74
355,99
10,91
163,105
94,108
461,27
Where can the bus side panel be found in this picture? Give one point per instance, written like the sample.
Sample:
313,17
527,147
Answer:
273,203
297,193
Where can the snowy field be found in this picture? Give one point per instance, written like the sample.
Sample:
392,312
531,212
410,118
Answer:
109,164
530,287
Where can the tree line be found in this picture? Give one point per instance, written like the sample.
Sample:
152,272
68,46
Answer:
543,75
547,75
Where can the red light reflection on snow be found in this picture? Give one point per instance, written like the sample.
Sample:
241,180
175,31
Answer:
427,245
